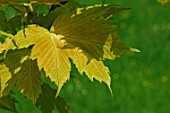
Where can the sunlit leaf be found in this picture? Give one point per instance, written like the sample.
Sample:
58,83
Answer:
28,36
8,104
47,101
52,58
6,45
93,68
5,75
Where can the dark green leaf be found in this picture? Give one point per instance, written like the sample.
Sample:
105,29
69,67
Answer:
47,100
8,104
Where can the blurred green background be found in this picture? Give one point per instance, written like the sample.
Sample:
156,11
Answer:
140,81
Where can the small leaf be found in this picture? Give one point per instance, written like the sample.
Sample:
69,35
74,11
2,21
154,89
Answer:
47,100
5,75
6,45
8,104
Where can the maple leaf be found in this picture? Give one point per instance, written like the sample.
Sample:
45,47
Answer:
25,74
88,30
52,58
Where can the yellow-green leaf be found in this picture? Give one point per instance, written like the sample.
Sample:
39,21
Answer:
93,68
28,36
6,45
52,58
5,75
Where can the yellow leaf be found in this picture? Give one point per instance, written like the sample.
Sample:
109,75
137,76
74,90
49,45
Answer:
6,45
163,1
52,58
28,36
5,75
93,68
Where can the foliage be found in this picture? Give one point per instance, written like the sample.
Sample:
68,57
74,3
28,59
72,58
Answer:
40,43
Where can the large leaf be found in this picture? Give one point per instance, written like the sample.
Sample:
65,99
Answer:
25,74
47,100
52,58
8,104
87,30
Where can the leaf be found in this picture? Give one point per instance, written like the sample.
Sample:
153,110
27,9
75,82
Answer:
88,30
8,104
6,45
27,37
163,1
93,68
3,20
52,58
25,74
47,100
29,80
5,75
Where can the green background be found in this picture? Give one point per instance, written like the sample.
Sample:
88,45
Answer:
140,81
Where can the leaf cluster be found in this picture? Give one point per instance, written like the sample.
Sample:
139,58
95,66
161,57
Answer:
43,42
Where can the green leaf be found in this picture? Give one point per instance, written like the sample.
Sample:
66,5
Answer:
52,58
25,74
29,80
88,29
47,100
8,104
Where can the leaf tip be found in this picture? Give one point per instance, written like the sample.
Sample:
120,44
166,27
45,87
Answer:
135,50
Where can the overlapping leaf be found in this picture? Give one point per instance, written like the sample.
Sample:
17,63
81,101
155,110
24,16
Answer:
88,30
25,74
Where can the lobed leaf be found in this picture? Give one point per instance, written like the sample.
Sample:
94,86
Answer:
52,58
88,30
